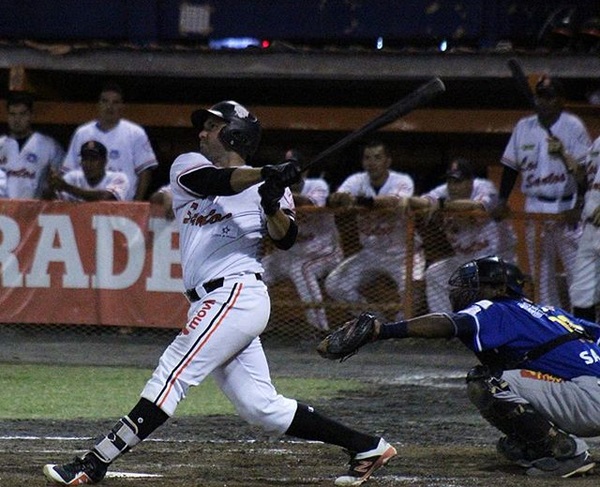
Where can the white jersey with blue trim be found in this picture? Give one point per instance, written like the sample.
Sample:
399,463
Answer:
26,167
128,145
114,182
510,328
219,235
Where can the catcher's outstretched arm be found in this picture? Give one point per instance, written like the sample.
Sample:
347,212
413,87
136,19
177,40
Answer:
434,325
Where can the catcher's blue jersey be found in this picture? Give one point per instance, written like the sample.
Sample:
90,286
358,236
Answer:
505,330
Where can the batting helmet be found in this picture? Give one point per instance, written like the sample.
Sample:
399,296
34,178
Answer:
242,132
467,279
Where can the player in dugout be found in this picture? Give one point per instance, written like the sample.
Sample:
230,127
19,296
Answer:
539,377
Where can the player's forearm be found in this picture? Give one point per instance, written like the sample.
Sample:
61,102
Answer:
509,178
244,177
144,180
282,230
88,194
435,325
463,205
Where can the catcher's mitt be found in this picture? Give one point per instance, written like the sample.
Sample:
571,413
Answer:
347,339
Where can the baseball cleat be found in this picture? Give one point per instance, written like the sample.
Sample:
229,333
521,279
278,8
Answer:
362,465
81,471
569,467
512,449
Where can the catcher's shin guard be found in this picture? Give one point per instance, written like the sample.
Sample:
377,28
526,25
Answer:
522,422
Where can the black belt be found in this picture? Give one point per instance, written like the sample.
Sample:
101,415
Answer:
210,286
554,200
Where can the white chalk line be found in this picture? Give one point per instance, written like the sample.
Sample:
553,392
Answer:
147,440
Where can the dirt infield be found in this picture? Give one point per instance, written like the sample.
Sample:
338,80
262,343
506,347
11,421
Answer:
414,396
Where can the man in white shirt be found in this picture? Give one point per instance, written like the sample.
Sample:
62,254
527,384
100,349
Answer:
128,146
92,182
25,154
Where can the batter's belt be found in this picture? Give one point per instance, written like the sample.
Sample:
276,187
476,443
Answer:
209,287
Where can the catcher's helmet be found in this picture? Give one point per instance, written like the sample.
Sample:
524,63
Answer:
242,132
467,279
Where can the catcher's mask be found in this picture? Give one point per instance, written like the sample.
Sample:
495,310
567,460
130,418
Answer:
242,132
465,282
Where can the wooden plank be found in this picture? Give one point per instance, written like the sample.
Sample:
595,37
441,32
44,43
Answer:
343,119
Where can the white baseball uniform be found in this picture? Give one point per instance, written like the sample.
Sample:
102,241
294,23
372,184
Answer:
548,188
115,182
27,169
221,245
470,239
128,146
3,185
382,237
585,288
316,252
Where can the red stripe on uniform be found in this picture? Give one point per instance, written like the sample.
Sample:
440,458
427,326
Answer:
201,344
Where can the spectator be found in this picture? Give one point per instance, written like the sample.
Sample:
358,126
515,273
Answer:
585,288
316,252
92,182
548,150
469,237
382,235
539,373
129,150
26,155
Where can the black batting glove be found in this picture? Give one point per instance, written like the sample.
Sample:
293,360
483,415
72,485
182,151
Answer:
286,173
270,193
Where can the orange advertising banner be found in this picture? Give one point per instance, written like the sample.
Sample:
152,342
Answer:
103,263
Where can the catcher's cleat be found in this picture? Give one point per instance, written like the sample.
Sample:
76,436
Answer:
81,471
362,465
513,450
569,467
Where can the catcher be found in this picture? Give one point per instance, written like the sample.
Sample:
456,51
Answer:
539,377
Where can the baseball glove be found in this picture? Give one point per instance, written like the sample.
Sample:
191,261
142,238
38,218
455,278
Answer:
346,340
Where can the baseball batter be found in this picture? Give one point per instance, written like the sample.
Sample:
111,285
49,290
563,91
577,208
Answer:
129,149
316,252
223,210
26,155
547,164
381,235
585,288
541,366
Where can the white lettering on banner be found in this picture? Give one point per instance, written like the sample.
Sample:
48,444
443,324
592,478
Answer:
57,228
164,257
106,226
10,236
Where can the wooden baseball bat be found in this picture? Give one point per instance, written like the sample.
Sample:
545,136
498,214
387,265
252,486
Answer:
418,97
521,81
523,85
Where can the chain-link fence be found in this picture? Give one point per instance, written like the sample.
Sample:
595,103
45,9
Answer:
350,260
398,265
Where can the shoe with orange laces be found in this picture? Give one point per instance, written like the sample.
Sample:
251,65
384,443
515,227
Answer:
81,471
362,465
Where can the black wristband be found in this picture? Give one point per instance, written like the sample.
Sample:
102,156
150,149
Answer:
393,330
441,203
